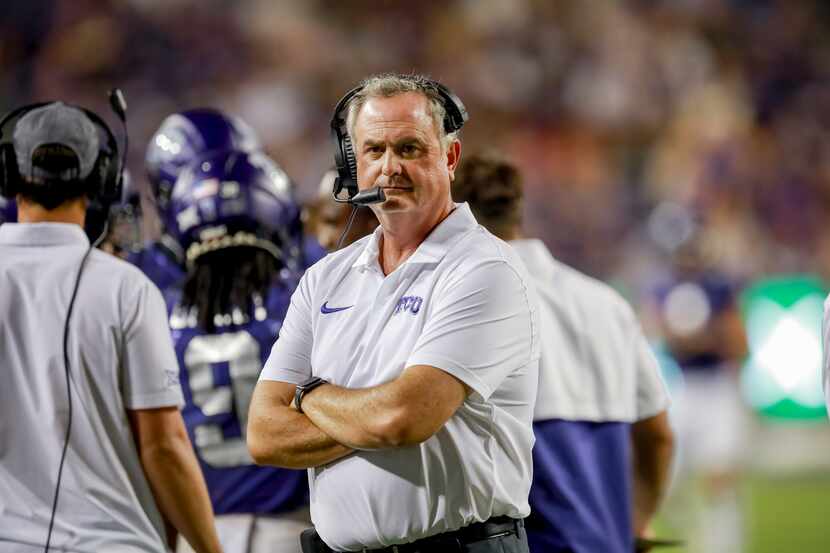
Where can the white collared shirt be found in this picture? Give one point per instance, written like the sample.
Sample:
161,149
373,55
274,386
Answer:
121,357
596,364
462,303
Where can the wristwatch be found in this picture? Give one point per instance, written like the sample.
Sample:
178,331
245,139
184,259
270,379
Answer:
304,388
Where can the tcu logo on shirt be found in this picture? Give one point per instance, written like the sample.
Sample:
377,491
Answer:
408,303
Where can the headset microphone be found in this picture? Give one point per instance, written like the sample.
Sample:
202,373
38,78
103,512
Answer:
118,103
374,195
119,106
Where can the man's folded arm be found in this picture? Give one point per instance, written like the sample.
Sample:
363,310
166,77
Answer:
402,412
279,435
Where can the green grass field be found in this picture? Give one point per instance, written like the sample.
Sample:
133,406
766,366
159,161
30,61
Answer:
782,515
789,515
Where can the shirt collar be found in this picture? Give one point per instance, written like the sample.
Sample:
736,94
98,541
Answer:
434,247
42,234
532,247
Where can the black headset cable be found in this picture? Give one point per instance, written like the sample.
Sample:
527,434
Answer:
346,230
68,380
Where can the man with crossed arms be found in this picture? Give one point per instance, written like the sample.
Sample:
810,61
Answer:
425,334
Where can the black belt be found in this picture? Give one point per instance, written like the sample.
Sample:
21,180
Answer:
495,527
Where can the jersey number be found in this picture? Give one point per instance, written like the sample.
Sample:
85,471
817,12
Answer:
203,355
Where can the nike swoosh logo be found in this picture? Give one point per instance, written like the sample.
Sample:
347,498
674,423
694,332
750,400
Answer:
325,309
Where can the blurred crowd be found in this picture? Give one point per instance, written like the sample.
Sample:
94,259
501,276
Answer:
639,125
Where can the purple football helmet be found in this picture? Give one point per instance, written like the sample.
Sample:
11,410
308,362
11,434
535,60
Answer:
187,136
8,210
236,199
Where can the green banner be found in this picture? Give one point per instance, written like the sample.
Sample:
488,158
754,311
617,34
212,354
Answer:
781,378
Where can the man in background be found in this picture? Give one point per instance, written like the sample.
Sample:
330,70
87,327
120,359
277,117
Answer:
603,443
107,373
327,219
694,306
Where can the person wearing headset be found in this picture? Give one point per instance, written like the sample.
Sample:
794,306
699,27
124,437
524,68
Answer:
94,455
603,441
236,213
404,374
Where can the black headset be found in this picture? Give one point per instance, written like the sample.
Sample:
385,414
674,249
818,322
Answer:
102,185
344,156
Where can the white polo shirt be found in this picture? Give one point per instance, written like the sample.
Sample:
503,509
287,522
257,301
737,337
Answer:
596,364
463,303
121,357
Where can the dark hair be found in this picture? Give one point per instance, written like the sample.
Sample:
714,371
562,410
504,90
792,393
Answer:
52,195
51,192
228,281
493,188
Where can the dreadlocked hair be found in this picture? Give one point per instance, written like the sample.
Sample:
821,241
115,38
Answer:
227,286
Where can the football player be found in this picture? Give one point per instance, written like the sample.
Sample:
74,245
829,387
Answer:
183,139
238,225
695,306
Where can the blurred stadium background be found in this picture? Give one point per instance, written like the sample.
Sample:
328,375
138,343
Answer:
640,126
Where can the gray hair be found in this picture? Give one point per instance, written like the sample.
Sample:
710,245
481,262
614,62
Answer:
386,85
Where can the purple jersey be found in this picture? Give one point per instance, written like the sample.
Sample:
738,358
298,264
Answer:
159,263
218,375
580,499
717,294
312,251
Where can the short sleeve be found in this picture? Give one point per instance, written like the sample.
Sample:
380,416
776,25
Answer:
652,396
150,372
481,328
290,358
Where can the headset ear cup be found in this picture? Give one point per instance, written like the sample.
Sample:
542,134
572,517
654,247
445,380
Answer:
8,171
456,112
346,164
104,181
351,160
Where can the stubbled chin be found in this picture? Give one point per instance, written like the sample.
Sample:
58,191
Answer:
393,204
